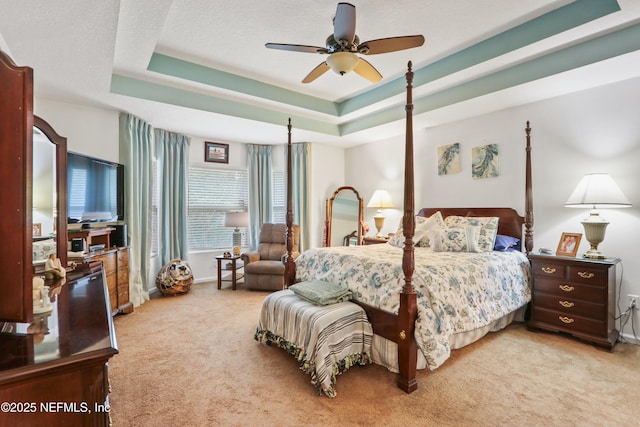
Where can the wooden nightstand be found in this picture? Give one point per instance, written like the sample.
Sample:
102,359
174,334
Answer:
576,296
371,240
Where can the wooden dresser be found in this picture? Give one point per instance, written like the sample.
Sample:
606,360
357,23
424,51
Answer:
54,371
575,296
116,269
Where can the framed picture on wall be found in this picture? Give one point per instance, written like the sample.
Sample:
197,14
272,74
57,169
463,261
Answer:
568,245
216,152
37,229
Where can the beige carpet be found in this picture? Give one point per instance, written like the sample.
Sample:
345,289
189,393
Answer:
191,360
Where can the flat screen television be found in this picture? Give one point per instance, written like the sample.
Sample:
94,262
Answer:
95,189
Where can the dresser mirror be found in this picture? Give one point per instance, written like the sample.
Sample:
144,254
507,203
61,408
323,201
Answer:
344,217
49,189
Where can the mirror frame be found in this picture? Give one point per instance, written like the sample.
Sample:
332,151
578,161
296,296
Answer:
329,212
60,144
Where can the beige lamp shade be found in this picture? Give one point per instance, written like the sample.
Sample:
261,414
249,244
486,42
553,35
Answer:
380,200
236,220
595,191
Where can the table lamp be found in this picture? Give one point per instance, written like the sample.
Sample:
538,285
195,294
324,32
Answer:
380,200
237,220
596,190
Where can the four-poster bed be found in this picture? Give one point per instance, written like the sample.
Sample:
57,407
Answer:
396,314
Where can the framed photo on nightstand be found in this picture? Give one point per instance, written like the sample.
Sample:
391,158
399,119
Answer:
568,245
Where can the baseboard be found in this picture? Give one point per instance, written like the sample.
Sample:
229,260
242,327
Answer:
630,339
204,280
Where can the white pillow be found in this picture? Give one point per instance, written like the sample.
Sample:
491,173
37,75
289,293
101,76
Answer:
486,234
420,236
455,239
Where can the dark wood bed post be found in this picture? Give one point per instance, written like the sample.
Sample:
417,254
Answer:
528,201
408,311
289,262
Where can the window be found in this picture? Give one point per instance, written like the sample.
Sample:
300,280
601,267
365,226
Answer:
278,196
212,192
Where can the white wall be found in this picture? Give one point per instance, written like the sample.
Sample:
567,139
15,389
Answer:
327,174
591,131
89,130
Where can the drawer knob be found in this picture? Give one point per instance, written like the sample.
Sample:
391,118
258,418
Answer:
566,288
549,270
566,304
586,274
564,319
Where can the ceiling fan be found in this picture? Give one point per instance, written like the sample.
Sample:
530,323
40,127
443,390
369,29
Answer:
344,44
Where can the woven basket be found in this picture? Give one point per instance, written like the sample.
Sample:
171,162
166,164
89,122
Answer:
174,278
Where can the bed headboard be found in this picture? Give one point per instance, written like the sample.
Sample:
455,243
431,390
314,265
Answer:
510,223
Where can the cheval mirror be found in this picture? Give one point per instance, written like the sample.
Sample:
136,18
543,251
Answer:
344,218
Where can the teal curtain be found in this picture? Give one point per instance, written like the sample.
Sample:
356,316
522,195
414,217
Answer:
173,175
260,204
301,177
136,153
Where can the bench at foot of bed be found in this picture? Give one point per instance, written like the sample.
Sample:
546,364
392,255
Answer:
326,340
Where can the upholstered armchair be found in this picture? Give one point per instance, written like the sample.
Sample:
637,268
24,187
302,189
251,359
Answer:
264,268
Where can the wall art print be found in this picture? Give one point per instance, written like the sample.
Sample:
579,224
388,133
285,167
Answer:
484,161
449,159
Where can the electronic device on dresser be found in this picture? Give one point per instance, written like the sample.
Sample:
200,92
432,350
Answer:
575,296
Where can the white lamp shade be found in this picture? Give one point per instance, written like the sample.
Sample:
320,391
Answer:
236,219
380,200
342,62
597,190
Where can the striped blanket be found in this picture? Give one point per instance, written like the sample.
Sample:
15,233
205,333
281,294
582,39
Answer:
326,340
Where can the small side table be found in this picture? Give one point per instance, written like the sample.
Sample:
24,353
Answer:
235,266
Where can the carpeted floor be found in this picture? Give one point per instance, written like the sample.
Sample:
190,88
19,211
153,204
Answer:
191,360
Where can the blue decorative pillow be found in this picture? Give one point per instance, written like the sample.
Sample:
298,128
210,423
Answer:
506,243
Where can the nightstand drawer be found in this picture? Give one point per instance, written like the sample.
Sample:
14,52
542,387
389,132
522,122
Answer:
569,323
571,306
563,289
586,275
549,269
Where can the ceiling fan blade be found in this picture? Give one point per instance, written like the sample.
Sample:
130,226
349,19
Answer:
367,71
344,23
390,44
322,68
296,47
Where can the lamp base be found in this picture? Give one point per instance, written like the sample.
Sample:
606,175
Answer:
594,229
237,238
594,253
379,220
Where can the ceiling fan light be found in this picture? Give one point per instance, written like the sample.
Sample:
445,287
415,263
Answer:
342,62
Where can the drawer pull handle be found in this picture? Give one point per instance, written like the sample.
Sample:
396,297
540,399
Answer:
586,274
566,304
564,319
566,288
548,270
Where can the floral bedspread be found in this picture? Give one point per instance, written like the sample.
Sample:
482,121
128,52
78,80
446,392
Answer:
456,291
